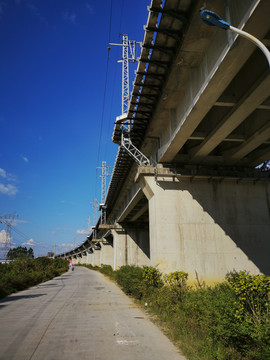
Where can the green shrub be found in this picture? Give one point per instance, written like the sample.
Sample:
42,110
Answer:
252,310
152,276
131,279
253,294
107,270
176,279
24,272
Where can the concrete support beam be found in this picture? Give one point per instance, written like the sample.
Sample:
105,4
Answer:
256,95
261,135
132,203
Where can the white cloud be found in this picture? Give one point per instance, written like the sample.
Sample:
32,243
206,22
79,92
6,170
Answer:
8,189
82,232
3,173
7,176
69,17
25,159
30,242
66,245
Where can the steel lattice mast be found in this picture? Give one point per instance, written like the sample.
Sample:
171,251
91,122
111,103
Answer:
125,74
104,174
128,55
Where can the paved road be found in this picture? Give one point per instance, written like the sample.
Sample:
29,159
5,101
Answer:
79,315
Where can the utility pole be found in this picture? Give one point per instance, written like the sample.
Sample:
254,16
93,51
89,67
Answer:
7,219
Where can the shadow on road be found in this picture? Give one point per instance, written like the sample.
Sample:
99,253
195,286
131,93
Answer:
19,297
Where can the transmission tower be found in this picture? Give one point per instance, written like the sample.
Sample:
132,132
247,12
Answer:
7,219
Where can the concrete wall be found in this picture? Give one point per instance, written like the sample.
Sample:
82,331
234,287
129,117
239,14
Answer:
208,227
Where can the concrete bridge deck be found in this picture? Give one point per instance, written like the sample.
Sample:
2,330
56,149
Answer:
79,315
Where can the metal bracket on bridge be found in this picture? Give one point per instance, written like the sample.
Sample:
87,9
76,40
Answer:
134,152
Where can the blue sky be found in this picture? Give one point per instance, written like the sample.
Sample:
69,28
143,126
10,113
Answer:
55,127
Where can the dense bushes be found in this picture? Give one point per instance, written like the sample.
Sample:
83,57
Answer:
24,272
229,321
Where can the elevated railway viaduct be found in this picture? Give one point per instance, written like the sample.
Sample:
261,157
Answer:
200,109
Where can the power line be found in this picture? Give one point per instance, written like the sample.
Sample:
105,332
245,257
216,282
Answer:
105,87
20,233
104,97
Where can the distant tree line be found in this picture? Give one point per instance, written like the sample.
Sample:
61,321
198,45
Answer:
19,251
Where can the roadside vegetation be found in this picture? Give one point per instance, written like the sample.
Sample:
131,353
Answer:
25,272
228,321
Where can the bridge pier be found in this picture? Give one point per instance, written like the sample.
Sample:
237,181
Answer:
89,257
208,227
96,259
106,253
131,245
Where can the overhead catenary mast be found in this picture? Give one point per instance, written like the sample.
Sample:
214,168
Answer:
104,175
128,55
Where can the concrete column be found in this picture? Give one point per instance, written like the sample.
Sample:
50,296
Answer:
208,227
84,259
89,258
119,247
131,246
107,254
96,261
138,251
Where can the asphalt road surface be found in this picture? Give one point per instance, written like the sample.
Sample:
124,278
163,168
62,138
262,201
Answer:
79,315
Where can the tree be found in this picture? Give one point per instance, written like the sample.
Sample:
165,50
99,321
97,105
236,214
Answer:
20,251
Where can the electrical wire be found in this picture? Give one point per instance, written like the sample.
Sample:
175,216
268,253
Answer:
19,232
113,83
104,95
